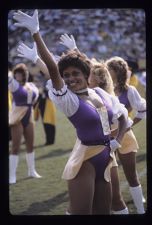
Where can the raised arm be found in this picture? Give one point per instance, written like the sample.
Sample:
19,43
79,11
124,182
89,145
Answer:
32,24
31,54
69,42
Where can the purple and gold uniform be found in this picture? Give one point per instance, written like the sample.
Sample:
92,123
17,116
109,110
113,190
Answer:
92,127
23,99
132,101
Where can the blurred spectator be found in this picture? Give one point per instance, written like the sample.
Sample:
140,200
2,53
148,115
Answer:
100,33
142,78
133,66
46,109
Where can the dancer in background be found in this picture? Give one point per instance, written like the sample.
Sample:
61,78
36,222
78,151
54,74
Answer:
44,106
46,109
130,97
24,95
100,77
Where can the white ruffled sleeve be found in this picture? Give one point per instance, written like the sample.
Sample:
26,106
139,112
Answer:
64,99
118,110
36,91
137,102
13,84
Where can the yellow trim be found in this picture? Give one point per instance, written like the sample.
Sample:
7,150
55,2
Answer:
10,97
49,112
134,80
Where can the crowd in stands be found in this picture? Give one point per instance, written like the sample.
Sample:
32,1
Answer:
100,33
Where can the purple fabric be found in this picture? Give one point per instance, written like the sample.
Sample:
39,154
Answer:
100,162
88,125
25,119
20,97
123,98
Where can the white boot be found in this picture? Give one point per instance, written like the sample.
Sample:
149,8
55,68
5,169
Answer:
13,163
143,199
67,213
30,158
137,195
120,212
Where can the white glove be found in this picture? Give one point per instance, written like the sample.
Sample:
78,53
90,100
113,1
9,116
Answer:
114,145
29,22
67,41
56,58
29,53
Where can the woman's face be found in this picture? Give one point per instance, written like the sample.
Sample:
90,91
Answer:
74,79
20,78
93,80
114,77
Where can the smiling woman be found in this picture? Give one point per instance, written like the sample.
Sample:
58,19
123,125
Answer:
75,70
91,112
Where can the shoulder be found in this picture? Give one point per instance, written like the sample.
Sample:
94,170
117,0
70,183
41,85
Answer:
101,91
32,85
132,89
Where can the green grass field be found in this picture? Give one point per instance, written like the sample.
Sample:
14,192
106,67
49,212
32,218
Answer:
48,195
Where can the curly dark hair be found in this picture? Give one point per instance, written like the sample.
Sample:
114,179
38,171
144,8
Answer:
120,67
76,59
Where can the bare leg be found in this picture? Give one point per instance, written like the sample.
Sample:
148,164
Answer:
29,137
102,198
129,165
81,190
16,133
117,199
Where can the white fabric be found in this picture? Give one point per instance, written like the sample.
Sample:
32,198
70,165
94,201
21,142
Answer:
13,163
68,41
31,87
68,103
56,58
121,212
17,113
117,108
13,84
29,22
137,195
103,114
67,213
30,158
137,102
79,154
114,145
29,53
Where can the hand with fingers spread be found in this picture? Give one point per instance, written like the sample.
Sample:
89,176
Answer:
29,53
68,41
29,22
